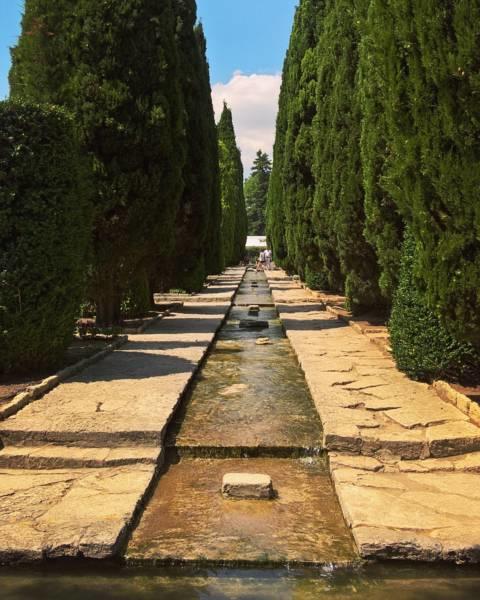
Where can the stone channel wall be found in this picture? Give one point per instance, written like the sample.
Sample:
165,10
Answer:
404,463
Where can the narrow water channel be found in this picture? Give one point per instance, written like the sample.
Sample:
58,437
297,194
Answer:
249,411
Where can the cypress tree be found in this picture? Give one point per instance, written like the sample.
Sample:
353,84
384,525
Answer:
381,71
198,220
256,190
292,184
275,213
298,170
115,66
444,83
234,215
339,208
423,62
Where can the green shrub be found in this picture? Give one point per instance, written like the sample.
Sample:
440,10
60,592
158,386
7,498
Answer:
44,235
316,280
421,345
138,300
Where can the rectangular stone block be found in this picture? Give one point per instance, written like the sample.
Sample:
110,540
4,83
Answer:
247,485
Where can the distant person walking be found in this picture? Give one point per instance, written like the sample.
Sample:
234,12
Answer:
268,259
261,261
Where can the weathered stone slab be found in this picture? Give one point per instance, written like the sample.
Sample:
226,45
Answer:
68,513
64,457
427,414
453,438
407,444
364,463
247,485
419,516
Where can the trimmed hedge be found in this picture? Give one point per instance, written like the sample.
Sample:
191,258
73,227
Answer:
44,235
421,345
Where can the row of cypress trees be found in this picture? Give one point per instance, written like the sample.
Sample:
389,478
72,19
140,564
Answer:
377,143
132,86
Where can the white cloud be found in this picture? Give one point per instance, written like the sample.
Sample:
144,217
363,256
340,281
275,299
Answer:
254,103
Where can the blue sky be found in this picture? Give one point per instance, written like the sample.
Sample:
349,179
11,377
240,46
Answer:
246,35
247,41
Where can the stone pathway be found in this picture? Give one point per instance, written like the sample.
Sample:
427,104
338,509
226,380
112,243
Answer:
404,463
76,464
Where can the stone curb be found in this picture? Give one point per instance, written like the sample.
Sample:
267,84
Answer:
448,394
35,392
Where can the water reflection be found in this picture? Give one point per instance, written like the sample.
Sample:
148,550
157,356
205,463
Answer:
375,582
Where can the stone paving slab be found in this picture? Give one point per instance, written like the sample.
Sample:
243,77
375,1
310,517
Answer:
399,513
129,397
221,288
407,473
74,512
65,457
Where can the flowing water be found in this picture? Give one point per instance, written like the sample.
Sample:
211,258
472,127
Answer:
376,582
249,410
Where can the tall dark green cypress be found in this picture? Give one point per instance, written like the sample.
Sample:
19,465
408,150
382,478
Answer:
443,92
256,191
214,260
339,208
234,215
275,213
381,71
197,250
423,61
298,170
292,185
115,66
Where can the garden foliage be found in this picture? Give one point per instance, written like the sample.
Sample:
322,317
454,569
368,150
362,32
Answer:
234,214
378,131
256,190
135,77
45,217
421,345
197,236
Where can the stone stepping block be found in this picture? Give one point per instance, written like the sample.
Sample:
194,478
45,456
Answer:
263,341
254,309
247,486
